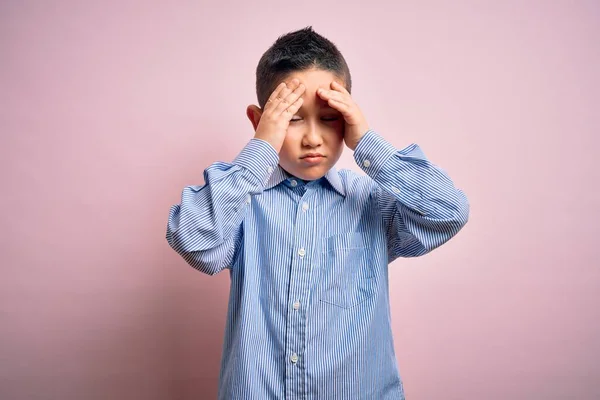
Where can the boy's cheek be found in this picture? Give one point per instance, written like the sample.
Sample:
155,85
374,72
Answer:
292,135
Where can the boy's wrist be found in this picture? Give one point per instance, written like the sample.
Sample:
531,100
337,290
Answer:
372,151
260,158
354,144
275,141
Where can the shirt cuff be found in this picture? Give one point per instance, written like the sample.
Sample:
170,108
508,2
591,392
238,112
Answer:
260,158
372,152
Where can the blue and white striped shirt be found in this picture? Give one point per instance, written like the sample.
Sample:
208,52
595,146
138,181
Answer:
308,314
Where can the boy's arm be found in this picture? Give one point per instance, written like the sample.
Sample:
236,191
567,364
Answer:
206,227
421,207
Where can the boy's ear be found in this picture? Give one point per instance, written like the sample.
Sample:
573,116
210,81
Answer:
254,112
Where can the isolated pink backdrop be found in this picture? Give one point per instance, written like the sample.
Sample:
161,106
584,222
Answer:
108,110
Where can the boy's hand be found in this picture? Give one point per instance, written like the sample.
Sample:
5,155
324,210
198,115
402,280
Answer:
282,105
356,124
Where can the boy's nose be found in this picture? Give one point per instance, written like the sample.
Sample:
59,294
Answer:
312,138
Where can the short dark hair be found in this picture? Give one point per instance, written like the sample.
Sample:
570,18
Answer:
298,51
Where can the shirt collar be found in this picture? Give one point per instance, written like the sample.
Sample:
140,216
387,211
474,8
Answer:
332,176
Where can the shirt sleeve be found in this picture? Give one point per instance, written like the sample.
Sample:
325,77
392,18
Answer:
420,206
206,228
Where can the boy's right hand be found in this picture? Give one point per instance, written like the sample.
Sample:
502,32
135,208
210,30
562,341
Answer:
282,105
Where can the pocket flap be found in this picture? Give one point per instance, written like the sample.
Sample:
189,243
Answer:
345,241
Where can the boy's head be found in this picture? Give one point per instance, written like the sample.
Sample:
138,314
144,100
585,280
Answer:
316,128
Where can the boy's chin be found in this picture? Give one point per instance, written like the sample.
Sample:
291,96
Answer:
309,174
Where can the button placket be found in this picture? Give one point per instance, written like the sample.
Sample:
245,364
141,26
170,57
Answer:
298,286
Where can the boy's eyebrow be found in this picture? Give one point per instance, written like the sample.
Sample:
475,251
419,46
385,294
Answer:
323,106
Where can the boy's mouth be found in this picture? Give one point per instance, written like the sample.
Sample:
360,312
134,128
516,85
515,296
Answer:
312,158
312,155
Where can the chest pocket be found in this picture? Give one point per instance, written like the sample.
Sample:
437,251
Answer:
347,276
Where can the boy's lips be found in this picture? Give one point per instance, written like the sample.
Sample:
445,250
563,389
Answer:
312,158
312,155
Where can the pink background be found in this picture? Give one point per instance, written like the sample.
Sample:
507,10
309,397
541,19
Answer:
108,110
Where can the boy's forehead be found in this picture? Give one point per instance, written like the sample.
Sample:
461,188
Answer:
314,79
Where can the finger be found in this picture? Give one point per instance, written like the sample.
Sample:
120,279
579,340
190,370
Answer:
340,106
293,108
282,95
276,92
275,104
338,86
273,98
332,94
290,99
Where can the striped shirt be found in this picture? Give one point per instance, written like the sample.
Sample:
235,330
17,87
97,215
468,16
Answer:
308,314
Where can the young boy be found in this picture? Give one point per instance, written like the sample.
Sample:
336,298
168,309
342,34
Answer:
308,246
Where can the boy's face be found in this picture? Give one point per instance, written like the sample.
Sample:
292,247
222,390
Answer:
316,129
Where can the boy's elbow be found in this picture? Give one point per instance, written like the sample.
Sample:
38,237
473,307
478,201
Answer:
463,211
208,261
457,217
184,236
197,261
460,214
201,260
448,226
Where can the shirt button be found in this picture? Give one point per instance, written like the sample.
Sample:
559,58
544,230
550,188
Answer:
296,305
248,199
305,206
367,163
302,252
293,183
395,190
294,358
270,170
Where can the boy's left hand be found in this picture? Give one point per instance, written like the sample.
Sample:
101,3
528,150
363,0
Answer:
356,124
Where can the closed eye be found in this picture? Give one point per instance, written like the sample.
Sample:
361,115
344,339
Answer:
327,119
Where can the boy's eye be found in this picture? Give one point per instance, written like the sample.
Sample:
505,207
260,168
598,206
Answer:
332,118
